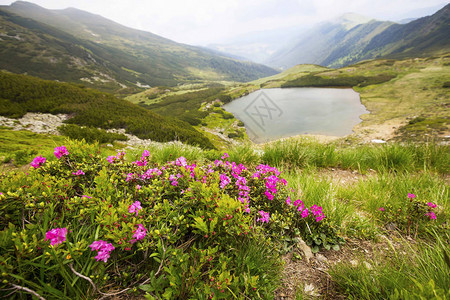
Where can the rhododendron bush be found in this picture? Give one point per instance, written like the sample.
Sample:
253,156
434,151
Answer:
81,225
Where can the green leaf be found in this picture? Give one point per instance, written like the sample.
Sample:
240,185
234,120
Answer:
147,288
336,247
200,224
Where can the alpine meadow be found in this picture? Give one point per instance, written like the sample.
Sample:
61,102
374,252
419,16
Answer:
219,158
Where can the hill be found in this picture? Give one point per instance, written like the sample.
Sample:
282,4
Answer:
78,46
20,94
351,39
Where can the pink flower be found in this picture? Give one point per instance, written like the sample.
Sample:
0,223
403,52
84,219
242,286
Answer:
140,233
288,201
97,245
431,204
145,153
103,256
56,236
78,173
129,177
431,215
265,217
305,213
138,187
381,208
269,195
104,250
225,155
86,196
60,152
38,161
181,161
135,207
411,196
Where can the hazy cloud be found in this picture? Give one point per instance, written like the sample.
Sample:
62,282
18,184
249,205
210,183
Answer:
208,21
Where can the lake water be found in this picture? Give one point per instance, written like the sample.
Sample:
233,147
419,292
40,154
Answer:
270,114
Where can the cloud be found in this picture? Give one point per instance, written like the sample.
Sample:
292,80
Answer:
209,21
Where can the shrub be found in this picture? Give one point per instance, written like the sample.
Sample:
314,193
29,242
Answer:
175,230
90,134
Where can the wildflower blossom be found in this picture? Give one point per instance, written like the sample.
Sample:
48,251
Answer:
431,204
224,156
264,217
305,213
145,153
224,180
104,250
130,176
181,161
78,173
288,201
60,152
56,236
135,207
381,209
139,234
432,215
38,161
411,196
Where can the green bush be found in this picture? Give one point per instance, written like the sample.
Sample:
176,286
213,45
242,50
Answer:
175,231
90,134
311,80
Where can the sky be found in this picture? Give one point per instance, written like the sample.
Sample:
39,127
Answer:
203,22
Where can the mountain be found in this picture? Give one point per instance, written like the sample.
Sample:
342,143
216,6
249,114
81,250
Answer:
77,46
353,38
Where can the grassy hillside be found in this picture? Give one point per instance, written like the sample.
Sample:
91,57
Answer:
77,46
20,94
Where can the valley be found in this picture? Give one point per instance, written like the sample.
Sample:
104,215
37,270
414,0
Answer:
124,174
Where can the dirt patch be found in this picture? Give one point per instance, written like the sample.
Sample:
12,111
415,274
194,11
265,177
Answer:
344,177
312,280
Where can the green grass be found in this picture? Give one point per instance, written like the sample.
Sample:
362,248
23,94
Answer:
20,147
408,272
302,152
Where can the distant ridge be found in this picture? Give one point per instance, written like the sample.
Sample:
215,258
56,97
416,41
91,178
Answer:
77,46
351,39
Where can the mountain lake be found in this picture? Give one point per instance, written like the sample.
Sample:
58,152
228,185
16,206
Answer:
270,114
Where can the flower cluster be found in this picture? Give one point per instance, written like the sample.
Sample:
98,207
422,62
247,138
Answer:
139,234
135,207
265,217
38,161
60,152
78,173
119,156
143,161
104,250
56,236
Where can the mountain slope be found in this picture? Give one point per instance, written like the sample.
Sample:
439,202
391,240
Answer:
335,44
20,94
108,55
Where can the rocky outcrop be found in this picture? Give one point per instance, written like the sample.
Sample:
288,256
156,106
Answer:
36,122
